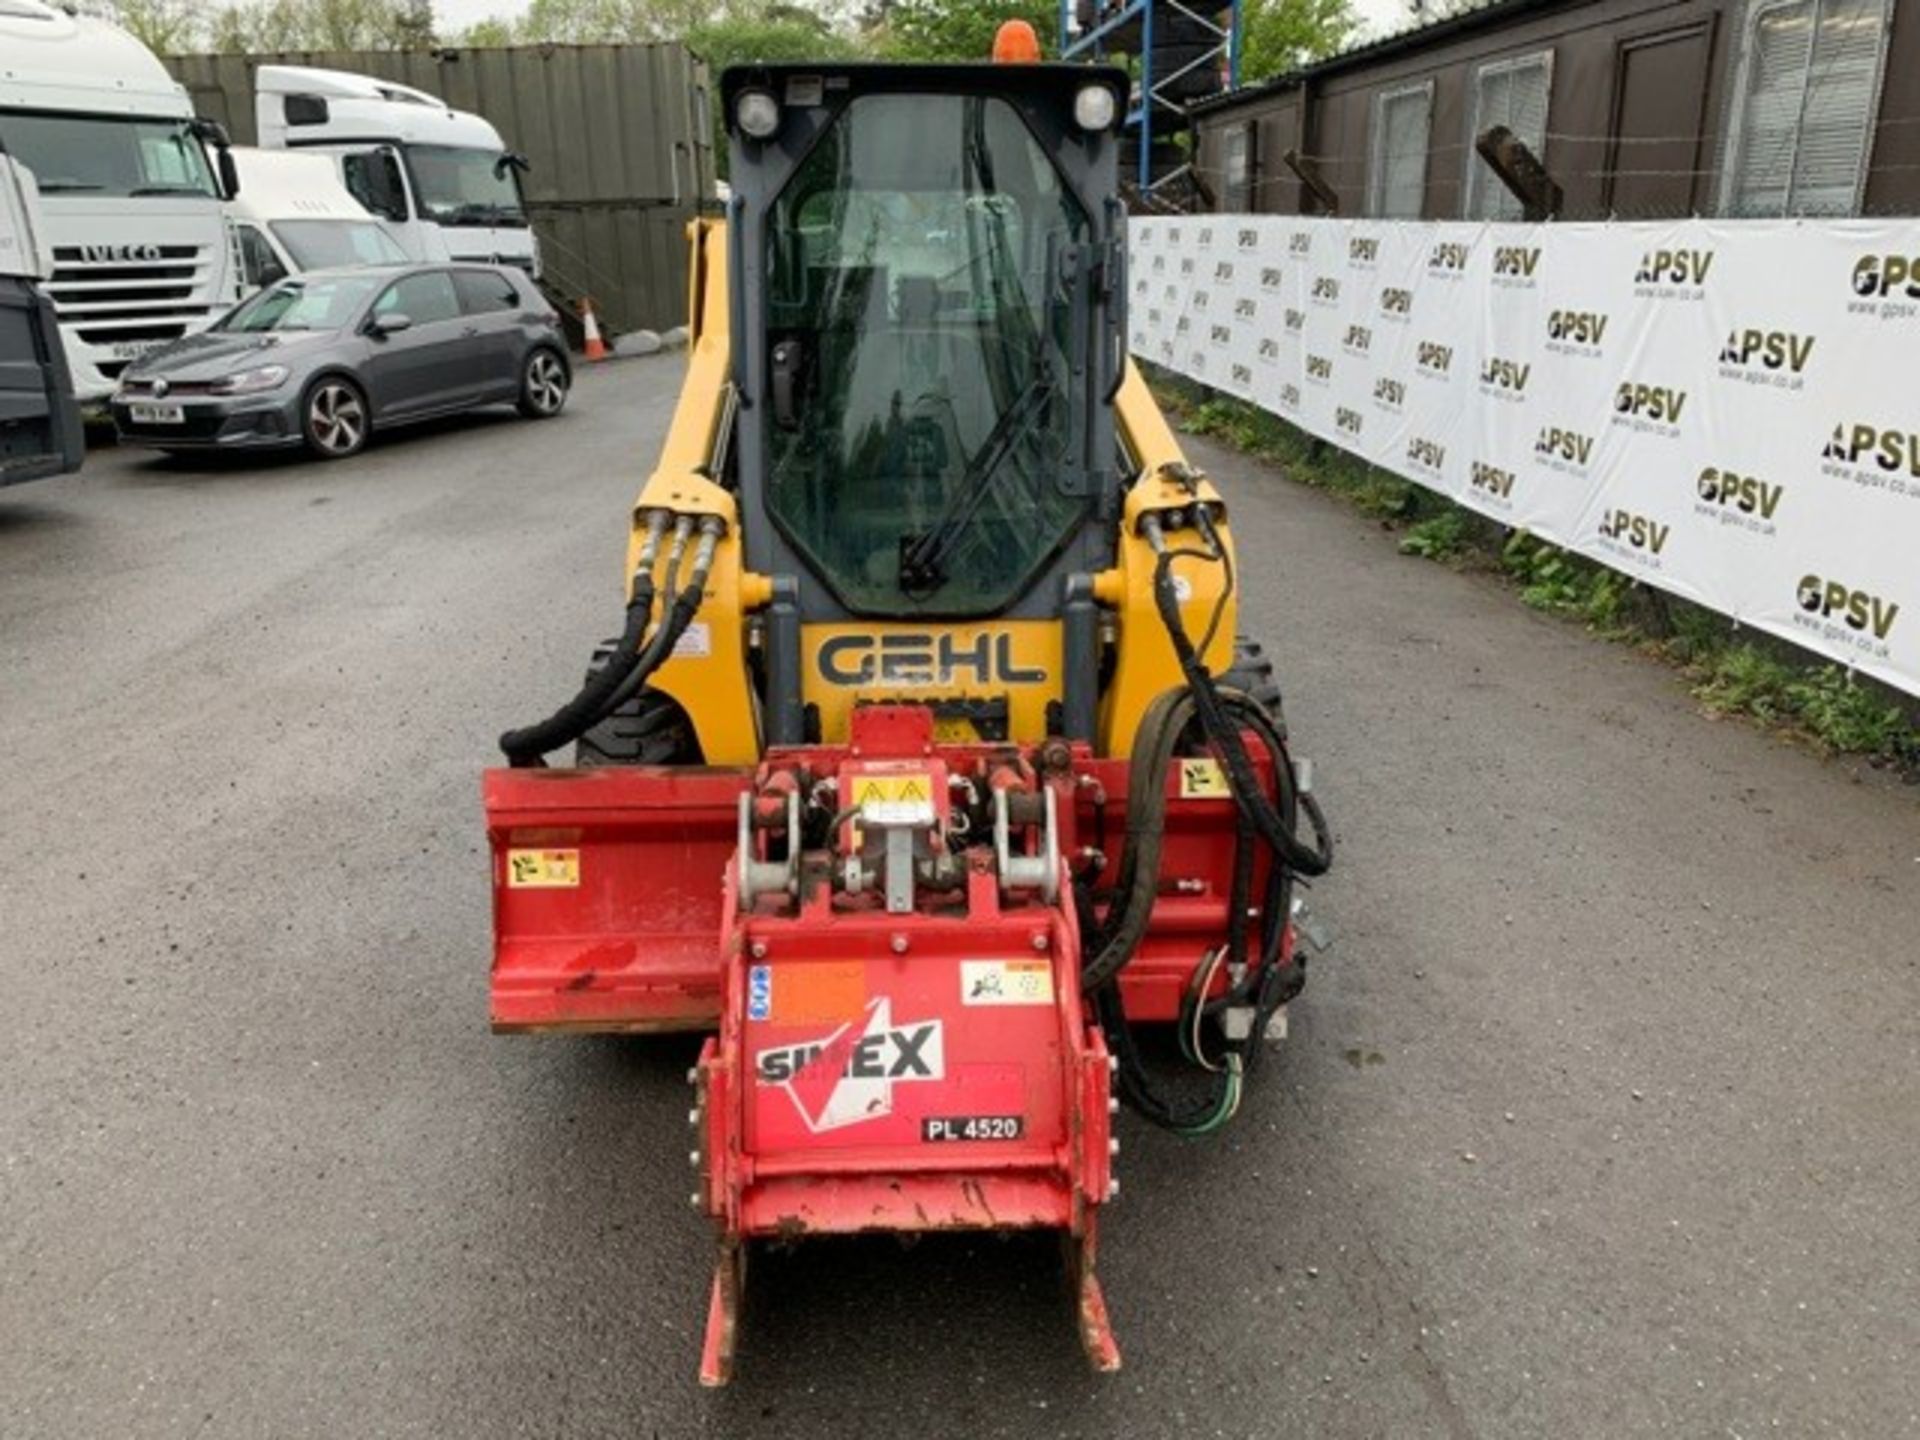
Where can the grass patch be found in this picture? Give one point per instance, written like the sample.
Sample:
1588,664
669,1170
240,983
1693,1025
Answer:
1762,680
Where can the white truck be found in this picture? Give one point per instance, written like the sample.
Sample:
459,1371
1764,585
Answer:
131,187
293,214
441,181
40,430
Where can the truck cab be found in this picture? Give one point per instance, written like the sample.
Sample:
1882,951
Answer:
293,214
131,187
40,432
440,181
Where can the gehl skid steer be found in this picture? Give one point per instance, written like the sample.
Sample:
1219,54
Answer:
926,766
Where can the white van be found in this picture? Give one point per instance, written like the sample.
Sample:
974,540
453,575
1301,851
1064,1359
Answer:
441,181
293,214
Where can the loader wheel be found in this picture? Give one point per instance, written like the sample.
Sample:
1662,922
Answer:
650,729
1252,671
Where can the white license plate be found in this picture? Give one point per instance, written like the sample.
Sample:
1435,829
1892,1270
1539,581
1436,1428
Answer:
133,349
144,413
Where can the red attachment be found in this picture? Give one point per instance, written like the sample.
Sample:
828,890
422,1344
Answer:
926,1067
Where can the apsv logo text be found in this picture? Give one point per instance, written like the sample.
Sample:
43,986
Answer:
1635,530
1862,610
1650,402
1773,349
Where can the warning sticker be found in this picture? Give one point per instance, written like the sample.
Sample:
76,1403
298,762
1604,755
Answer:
892,789
1006,982
1203,780
695,642
543,869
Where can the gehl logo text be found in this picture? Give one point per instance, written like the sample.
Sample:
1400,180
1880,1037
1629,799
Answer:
1505,374
1557,444
1577,327
1748,494
1889,450
1433,356
1772,349
1861,609
1877,276
1650,402
1491,478
917,658
1635,530
1674,267
1396,301
1448,255
1516,260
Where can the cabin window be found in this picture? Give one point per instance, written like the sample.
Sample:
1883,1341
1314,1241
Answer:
1803,106
1512,93
1397,168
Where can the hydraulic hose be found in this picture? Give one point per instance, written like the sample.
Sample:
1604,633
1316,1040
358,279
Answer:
634,657
1260,985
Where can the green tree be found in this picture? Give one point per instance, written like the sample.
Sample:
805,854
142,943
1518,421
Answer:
166,27
938,30
1281,35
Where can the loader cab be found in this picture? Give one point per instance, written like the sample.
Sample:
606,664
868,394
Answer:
928,331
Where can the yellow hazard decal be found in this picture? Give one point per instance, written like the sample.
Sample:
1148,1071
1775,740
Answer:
543,869
915,789
1203,780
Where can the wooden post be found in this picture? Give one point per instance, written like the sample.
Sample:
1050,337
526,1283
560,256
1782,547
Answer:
1520,170
1309,173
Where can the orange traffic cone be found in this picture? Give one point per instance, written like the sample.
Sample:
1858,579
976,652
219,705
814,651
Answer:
596,348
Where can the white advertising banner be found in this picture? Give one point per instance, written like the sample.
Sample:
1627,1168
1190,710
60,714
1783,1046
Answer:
1728,410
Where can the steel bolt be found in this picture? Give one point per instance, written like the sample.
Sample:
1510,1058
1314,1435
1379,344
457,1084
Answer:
694,1199
1113,1188
693,1075
1113,1105
1113,1145
899,944
759,949
1113,1063
693,1116
693,1159
1040,940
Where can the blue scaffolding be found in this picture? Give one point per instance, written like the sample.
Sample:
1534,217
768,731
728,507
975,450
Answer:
1181,53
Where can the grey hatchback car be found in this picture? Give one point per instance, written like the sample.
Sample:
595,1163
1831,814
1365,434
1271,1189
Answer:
326,357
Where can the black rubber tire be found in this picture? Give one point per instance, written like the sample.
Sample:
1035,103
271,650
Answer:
545,379
314,427
650,729
1252,671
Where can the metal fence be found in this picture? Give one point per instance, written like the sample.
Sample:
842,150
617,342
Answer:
618,137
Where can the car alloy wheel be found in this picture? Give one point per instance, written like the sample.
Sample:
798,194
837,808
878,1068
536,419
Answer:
336,419
546,382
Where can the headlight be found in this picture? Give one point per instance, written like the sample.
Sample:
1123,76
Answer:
250,382
1093,107
756,113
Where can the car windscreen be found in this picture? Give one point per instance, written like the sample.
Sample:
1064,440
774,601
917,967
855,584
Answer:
86,155
329,302
331,244
459,186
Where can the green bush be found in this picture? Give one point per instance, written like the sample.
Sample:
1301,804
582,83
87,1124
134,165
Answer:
1438,537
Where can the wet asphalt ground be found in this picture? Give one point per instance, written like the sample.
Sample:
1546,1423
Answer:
1603,1118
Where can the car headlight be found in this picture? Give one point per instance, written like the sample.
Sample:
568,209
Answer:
250,382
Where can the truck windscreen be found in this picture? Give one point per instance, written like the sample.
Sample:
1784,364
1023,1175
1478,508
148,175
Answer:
458,186
332,244
109,156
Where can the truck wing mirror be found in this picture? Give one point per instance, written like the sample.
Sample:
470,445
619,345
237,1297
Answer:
789,360
229,172
511,160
